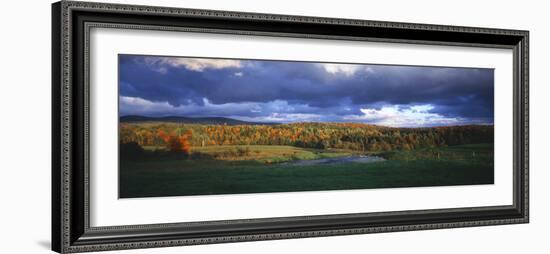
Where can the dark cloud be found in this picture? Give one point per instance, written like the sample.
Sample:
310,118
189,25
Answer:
308,88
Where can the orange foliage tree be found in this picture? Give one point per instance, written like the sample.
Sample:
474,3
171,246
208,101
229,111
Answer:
177,143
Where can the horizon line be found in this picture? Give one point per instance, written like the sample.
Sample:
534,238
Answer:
245,122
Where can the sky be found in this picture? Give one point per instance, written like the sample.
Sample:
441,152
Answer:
287,91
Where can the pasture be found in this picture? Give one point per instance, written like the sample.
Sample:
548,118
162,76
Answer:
260,169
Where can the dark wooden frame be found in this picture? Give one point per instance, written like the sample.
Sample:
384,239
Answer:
71,22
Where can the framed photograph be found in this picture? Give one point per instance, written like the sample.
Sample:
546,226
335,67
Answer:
181,126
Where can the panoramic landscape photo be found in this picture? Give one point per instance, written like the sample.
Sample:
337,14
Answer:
203,126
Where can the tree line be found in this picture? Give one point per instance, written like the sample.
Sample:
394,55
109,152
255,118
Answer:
351,136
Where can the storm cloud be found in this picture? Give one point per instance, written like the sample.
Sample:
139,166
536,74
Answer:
286,91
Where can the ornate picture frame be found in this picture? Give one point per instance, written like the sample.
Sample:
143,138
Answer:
71,24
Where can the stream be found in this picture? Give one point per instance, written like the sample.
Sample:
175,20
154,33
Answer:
337,160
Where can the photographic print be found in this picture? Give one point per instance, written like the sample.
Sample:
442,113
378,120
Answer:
202,126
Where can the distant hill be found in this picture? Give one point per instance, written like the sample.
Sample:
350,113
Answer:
182,119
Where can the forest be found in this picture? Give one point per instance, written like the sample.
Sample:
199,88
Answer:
349,136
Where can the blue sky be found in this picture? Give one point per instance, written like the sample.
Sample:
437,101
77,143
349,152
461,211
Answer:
285,91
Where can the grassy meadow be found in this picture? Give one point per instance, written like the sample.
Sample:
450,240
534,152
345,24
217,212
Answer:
191,167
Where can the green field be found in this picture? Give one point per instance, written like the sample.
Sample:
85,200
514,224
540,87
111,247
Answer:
260,169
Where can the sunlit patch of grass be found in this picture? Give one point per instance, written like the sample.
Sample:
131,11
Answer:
265,154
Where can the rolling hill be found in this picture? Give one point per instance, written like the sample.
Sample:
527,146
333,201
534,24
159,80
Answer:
182,119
